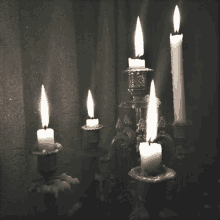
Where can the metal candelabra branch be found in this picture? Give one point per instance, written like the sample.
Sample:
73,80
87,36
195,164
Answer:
178,144
139,81
123,146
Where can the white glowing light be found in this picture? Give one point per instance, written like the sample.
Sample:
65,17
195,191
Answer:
176,19
44,108
139,40
90,105
152,115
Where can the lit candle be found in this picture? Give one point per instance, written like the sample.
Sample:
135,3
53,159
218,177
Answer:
90,107
151,157
151,153
45,136
139,48
177,71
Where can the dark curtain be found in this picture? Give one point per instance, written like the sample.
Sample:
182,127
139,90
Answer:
73,46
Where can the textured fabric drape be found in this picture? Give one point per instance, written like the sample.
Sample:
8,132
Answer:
12,114
73,46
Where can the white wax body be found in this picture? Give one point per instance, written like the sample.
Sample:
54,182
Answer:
151,156
178,80
46,139
92,122
136,63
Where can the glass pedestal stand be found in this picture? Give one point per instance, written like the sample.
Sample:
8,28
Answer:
149,192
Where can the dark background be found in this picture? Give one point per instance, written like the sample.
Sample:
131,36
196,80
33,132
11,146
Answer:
73,46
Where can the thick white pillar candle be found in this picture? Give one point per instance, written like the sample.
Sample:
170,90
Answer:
90,107
139,48
177,72
46,139
151,157
45,136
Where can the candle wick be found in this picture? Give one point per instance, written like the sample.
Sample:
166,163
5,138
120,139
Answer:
149,141
45,127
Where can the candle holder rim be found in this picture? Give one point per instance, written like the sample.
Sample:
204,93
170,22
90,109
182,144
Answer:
85,127
167,174
57,150
181,124
137,70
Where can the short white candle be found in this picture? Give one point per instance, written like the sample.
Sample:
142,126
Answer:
136,63
151,157
45,136
90,107
177,71
92,122
139,48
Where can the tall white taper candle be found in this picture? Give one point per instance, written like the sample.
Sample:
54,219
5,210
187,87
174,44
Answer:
177,71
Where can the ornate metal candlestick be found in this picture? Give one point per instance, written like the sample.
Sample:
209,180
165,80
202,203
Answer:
122,150
92,135
52,184
139,81
47,161
144,190
92,150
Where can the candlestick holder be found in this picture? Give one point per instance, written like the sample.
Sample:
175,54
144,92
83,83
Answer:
139,81
47,161
145,187
92,135
92,150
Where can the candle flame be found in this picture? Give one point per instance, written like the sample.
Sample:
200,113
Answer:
44,108
139,41
90,105
176,19
152,115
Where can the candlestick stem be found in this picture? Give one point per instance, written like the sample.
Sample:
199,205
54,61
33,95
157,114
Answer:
138,114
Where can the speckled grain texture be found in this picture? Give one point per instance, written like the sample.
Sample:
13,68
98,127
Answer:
35,50
12,120
72,46
106,72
